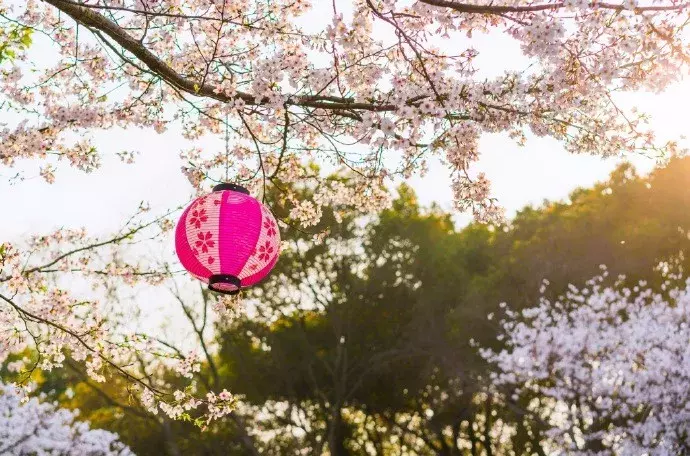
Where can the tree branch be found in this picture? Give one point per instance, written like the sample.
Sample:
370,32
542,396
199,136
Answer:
96,21
81,341
126,408
502,9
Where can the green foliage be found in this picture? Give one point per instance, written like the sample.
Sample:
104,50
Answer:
13,39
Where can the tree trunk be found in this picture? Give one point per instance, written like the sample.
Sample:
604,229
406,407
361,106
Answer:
473,439
246,439
487,428
336,434
169,439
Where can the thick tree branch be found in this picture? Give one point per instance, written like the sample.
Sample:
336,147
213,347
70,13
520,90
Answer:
490,8
154,13
96,21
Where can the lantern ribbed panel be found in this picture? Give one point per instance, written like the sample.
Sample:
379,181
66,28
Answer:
227,233
202,231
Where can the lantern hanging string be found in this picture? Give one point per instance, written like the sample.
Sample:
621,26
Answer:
227,149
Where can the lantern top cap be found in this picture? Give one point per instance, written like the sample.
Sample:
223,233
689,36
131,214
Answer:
229,186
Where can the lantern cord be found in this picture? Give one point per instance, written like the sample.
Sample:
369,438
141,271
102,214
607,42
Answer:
227,149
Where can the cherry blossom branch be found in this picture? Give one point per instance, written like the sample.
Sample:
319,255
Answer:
96,21
153,13
285,143
81,341
502,9
109,399
114,240
16,443
199,332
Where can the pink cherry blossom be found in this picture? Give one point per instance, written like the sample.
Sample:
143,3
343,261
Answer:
266,251
198,217
595,358
204,241
29,426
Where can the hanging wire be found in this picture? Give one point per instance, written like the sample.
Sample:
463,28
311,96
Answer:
227,149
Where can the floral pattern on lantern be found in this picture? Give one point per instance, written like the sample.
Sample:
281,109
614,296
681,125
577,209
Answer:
227,239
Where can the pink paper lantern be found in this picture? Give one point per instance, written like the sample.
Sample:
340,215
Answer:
227,239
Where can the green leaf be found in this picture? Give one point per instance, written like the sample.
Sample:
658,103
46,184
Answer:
26,39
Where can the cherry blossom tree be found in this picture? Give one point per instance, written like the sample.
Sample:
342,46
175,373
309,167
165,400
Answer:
393,81
28,426
605,369
377,90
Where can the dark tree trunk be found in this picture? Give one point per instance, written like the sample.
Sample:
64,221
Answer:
169,439
473,439
244,437
487,428
336,434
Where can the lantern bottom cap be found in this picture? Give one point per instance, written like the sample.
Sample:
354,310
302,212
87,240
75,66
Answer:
224,283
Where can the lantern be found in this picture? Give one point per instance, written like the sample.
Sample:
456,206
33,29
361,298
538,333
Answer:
227,239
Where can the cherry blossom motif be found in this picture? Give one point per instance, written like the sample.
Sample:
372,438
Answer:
270,226
198,217
265,251
210,260
204,241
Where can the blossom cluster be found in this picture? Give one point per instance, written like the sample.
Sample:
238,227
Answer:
29,426
608,366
